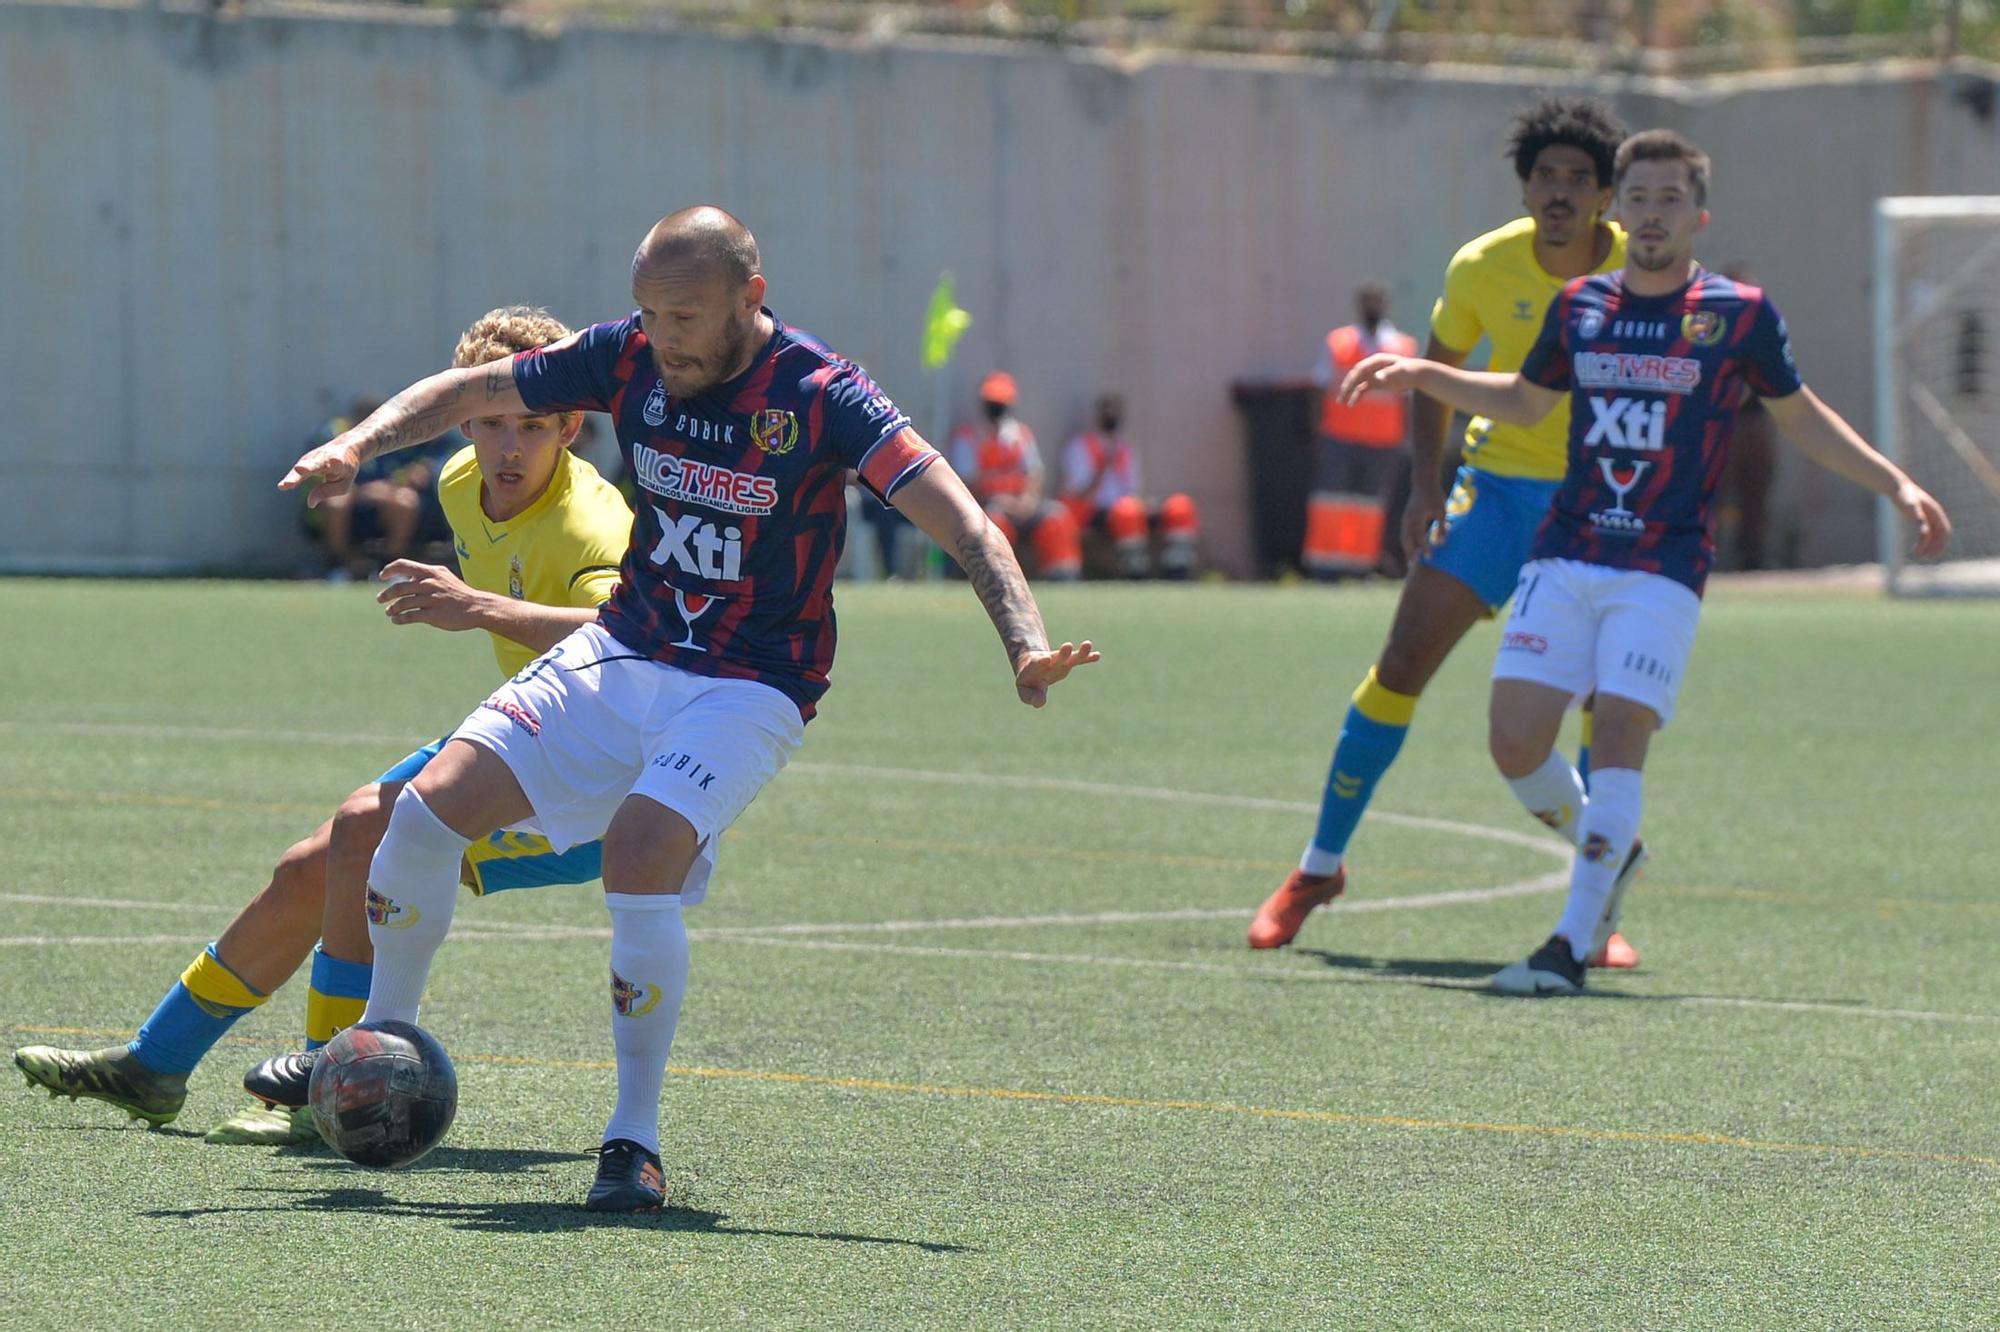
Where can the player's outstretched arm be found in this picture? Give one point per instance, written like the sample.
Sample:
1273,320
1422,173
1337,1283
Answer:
1824,436
938,503
1510,398
418,414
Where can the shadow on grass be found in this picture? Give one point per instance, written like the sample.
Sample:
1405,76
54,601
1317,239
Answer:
1469,977
129,1126
527,1218
1415,968
482,1160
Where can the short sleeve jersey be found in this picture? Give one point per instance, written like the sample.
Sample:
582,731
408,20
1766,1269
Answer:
1495,288
1654,384
741,509
562,550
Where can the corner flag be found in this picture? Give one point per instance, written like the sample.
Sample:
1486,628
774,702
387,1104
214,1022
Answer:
944,323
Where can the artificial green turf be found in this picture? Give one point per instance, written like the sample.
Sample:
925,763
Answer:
1344,1134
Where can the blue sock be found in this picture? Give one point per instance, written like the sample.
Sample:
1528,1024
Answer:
204,1003
335,997
1583,753
1370,739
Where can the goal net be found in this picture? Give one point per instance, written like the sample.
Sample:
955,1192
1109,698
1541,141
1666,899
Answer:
1937,382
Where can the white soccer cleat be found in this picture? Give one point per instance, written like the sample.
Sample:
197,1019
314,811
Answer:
1550,969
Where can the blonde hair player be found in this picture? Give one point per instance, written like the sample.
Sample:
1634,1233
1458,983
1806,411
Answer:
539,535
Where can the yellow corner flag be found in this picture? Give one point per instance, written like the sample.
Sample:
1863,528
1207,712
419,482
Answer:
944,323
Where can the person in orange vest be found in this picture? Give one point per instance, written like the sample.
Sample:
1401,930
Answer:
1001,463
1361,447
1101,488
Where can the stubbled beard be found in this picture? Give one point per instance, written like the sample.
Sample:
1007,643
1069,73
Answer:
1661,259
723,363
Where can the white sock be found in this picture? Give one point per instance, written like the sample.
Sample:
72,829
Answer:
1553,793
649,970
1316,861
1610,823
412,889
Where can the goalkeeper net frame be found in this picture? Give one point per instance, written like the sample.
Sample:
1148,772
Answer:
1937,382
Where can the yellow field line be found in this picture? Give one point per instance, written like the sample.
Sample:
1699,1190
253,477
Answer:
1016,1094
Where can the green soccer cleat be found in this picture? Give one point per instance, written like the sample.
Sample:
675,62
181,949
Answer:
114,1076
265,1126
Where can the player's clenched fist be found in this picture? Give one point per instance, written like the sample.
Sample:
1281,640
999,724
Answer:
330,469
1383,371
1036,671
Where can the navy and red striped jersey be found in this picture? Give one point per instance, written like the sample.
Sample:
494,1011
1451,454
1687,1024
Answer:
1655,383
742,506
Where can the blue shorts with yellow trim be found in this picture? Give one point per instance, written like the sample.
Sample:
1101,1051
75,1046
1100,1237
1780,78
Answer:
1489,528
509,859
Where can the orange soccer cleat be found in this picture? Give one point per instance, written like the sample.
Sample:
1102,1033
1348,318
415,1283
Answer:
1285,911
1618,954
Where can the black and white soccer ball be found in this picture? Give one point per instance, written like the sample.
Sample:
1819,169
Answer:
383,1094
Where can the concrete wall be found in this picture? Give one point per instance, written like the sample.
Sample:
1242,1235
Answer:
217,229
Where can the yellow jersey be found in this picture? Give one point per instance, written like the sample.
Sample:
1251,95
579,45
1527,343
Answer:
1496,288
562,550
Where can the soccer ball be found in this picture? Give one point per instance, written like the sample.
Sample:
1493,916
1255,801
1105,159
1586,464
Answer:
383,1094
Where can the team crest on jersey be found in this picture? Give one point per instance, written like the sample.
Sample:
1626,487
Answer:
632,1001
774,430
1589,324
656,405
1704,328
514,579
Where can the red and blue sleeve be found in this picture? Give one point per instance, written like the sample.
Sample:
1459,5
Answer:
1767,354
574,374
1548,362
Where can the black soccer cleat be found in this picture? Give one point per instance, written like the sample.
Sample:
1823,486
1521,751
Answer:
629,1179
283,1080
1550,969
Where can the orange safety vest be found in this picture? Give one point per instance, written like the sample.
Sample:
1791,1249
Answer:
1379,419
999,458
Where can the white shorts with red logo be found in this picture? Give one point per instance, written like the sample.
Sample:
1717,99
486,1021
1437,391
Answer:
1583,627
591,721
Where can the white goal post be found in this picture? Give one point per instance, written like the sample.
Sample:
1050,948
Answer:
1937,382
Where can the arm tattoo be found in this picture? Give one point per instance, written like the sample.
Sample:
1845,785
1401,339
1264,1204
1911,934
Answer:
1001,587
404,421
499,378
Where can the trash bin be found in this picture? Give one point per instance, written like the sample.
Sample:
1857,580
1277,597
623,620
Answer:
1279,447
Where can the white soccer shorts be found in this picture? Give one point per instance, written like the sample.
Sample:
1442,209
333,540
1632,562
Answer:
1582,627
591,721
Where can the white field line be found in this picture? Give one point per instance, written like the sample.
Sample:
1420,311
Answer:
116,903
1547,845
788,935
1233,971
1246,972
505,931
